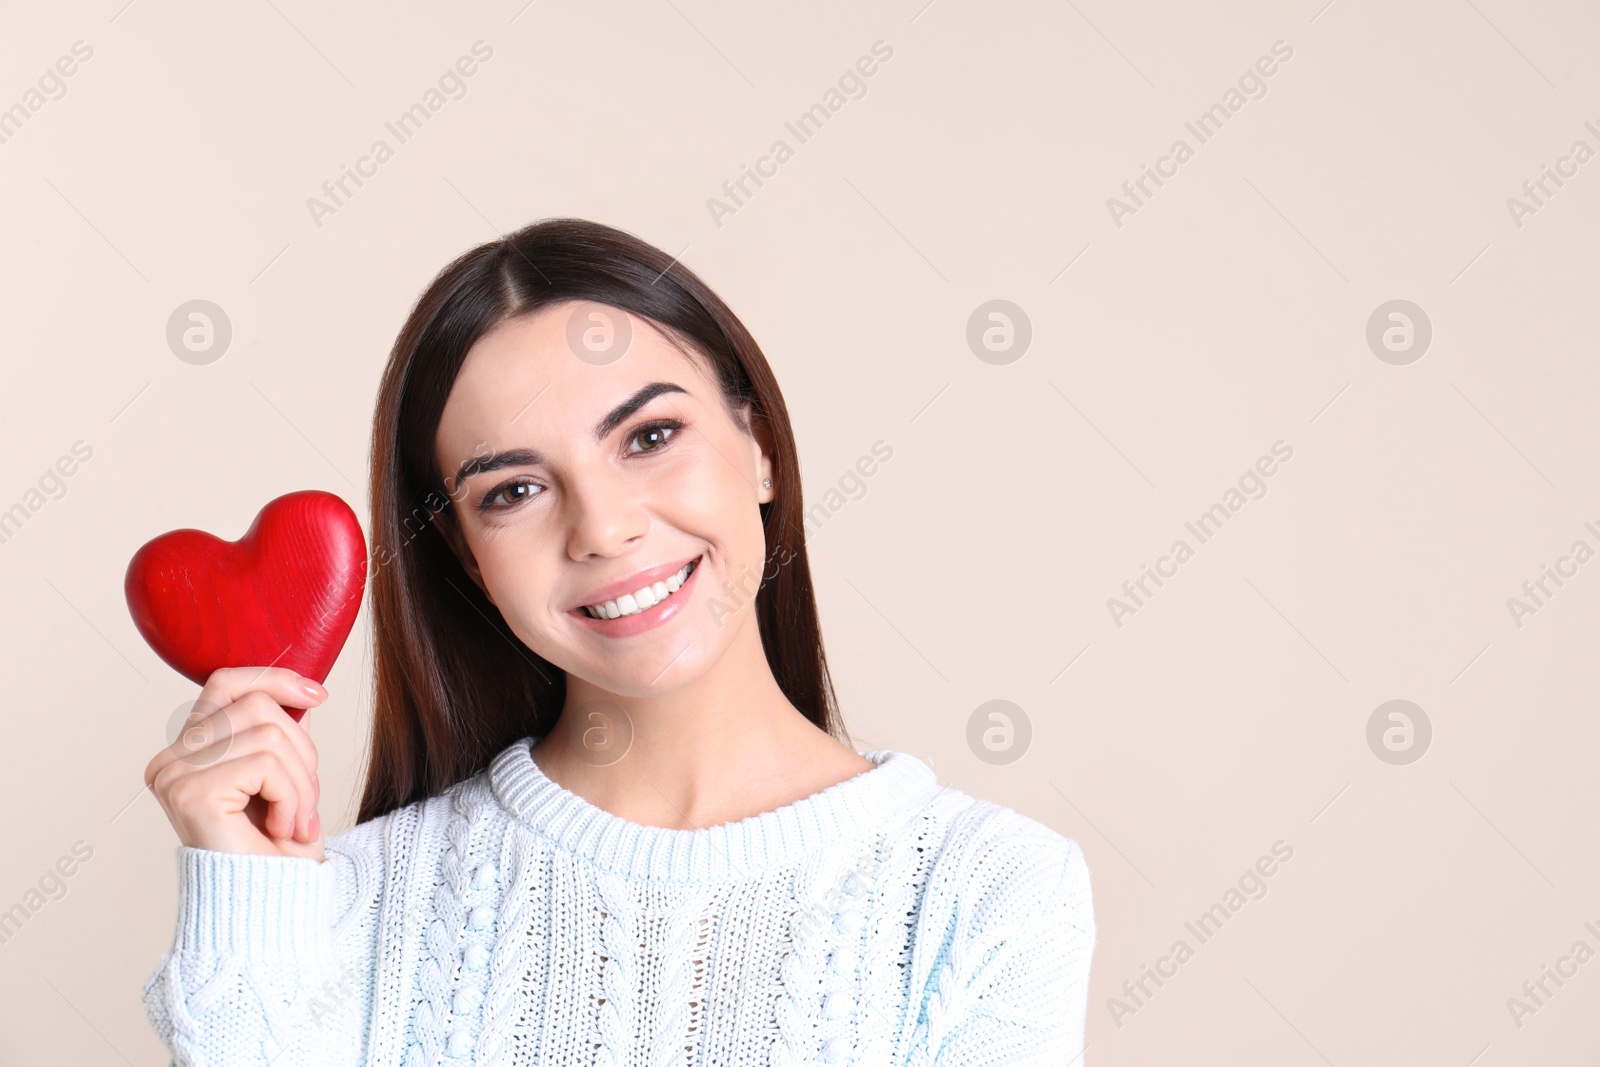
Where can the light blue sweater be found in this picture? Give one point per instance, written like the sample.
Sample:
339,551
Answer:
884,920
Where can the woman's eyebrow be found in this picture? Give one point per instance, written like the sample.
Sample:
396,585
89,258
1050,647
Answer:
639,399
493,461
518,457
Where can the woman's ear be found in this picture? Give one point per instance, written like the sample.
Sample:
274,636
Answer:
761,441
446,521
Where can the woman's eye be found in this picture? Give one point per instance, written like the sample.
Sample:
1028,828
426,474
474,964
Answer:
651,437
510,495
654,435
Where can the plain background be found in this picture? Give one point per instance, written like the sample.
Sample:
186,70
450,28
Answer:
1168,354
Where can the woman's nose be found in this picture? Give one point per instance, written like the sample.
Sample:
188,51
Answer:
606,512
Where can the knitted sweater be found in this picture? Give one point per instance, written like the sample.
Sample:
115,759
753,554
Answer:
884,920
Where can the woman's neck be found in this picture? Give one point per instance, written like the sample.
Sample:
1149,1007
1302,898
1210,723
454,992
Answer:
724,747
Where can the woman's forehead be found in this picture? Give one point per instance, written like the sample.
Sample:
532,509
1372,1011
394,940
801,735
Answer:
556,345
526,365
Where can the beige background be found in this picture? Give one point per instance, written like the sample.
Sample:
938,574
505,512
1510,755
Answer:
1168,354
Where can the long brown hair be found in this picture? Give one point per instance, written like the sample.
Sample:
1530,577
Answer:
453,685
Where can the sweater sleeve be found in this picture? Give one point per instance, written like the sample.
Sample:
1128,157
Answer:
272,959
1015,987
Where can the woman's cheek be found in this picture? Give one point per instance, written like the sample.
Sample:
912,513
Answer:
518,584
711,489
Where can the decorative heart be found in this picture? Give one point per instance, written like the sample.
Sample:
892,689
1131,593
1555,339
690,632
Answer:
284,595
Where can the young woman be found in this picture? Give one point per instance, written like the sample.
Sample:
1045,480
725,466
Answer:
610,816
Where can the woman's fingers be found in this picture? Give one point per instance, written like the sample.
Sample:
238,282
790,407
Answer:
256,708
197,741
290,794
208,805
208,734
265,773
227,684
239,745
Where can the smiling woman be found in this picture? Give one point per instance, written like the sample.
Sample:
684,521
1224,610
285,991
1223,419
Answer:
604,821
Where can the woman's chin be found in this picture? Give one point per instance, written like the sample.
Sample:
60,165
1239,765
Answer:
643,668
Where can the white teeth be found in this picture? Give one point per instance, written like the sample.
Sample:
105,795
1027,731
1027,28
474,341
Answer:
641,599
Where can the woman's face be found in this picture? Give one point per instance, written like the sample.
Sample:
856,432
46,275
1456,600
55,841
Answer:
578,483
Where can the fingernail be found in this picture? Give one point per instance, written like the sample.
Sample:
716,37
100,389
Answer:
316,826
313,689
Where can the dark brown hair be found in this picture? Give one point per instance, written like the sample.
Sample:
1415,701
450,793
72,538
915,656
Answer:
453,685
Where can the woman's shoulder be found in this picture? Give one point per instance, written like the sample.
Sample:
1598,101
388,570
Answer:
1002,936
989,862
966,826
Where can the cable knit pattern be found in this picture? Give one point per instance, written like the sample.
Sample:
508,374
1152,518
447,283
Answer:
670,1001
798,977
618,984
444,932
515,949
884,920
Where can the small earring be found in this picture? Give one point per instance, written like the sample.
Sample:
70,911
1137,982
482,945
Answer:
766,483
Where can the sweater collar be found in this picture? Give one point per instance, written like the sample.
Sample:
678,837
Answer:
725,852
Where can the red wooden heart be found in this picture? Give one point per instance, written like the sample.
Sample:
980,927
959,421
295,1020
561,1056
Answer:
284,595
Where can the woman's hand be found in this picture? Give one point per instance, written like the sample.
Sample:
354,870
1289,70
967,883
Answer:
242,775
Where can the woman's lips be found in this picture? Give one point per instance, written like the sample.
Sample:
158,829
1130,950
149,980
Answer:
635,582
651,617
